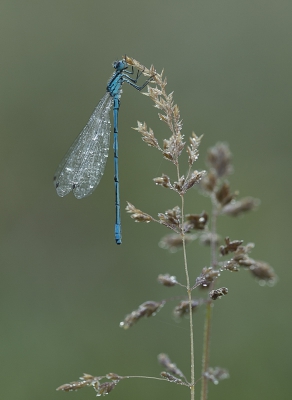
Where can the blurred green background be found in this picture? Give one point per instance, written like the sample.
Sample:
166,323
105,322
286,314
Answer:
65,285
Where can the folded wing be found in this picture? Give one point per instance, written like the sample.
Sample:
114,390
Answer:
84,163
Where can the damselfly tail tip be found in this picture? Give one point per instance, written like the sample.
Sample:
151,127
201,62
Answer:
118,234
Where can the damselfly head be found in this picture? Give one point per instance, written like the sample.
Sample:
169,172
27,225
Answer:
120,65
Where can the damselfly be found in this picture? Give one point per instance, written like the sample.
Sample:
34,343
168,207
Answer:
84,163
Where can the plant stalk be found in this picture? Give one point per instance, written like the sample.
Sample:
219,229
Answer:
208,317
190,307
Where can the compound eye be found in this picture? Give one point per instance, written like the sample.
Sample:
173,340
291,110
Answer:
120,65
116,64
